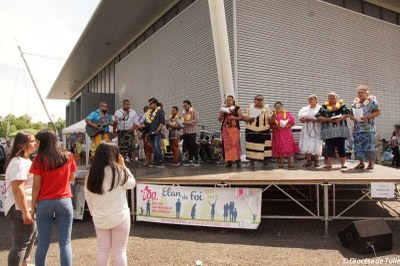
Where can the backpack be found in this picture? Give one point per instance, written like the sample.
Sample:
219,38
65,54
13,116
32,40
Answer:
2,153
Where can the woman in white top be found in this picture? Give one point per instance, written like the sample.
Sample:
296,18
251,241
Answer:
310,138
105,193
18,199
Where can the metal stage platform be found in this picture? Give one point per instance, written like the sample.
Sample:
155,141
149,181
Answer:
297,193
318,194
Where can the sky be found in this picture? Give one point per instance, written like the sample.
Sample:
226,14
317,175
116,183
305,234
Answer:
49,28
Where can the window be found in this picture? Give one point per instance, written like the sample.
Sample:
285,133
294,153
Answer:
355,5
372,10
368,9
389,16
335,2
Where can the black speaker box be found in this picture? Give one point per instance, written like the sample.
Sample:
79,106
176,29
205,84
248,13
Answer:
358,236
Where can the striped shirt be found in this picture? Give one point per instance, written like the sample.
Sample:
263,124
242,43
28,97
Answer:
191,127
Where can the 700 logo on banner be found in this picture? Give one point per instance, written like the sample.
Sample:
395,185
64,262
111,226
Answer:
148,194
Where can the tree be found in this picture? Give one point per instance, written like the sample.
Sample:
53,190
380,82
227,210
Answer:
11,123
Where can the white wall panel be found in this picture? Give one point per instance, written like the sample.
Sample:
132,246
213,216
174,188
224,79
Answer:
174,64
289,49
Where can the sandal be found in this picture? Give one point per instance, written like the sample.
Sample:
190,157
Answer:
291,165
316,164
360,166
327,167
280,165
370,166
307,164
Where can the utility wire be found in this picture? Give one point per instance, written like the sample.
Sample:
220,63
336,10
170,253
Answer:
46,56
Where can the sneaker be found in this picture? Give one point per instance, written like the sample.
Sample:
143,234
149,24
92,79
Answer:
161,165
151,165
175,164
196,163
187,163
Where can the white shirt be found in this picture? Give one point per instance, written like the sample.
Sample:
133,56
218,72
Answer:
7,150
18,169
110,208
125,121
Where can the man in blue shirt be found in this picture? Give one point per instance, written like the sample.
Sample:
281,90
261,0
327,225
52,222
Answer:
97,120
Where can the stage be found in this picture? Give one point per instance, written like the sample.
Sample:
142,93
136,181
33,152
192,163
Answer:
311,193
297,193
212,174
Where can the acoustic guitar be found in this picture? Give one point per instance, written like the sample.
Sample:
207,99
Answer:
92,132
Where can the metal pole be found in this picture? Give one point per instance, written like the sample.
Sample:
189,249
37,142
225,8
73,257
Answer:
36,88
235,63
326,207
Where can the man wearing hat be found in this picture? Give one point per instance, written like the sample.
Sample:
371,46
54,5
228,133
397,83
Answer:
154,121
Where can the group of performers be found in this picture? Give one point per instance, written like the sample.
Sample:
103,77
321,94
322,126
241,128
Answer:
268,132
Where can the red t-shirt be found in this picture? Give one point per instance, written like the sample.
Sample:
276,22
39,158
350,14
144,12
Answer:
55,184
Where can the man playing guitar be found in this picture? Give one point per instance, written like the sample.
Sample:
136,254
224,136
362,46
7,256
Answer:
99,120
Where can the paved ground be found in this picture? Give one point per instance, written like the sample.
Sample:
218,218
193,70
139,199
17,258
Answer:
275,242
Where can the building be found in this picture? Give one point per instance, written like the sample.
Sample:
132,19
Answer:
284,50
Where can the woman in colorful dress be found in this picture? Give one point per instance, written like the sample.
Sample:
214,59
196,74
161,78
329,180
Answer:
334,129
364,126
258,134
283,143
310,138
230,117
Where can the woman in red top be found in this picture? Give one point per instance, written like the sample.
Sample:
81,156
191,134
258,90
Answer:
52,170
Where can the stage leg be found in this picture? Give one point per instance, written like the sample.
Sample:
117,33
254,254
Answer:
133,205
326,207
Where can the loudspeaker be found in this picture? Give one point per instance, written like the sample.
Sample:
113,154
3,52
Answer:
358,236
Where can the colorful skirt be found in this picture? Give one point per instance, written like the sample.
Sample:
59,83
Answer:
99,138
127,142
258,144
364,145
231,143
283,143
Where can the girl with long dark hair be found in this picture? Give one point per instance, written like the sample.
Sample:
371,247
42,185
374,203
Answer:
105,193
53,170
18,198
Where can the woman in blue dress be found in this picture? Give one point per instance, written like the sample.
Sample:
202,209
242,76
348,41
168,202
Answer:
364,126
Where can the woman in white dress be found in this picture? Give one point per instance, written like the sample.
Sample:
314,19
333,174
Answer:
310,139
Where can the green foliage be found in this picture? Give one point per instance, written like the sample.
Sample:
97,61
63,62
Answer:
11,123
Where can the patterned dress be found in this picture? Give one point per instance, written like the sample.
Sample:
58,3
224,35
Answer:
231,136
258,136
283,144
364,132
332,130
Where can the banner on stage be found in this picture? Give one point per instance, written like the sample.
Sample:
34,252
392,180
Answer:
3,190
199,206
382,190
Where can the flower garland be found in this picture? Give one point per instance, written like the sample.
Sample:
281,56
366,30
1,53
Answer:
150,114
337,106
174,123
284,116
357,104
232,108
188,116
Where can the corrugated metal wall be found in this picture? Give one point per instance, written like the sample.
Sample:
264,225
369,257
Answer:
176,63
289,49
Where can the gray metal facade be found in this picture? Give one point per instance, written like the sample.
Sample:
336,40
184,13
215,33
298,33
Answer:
290,49
176,63
286,50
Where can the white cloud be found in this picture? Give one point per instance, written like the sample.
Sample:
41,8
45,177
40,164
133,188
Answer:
44,27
